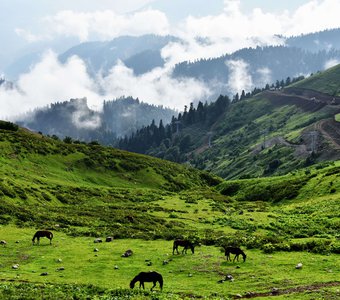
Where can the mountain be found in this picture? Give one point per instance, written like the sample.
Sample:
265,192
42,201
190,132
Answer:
74,119
272,131
141,54
317,41
259,66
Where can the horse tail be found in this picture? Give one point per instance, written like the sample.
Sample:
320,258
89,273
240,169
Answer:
161,281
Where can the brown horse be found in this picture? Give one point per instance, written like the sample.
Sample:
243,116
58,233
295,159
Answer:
234,250
42,233
186,244
151,276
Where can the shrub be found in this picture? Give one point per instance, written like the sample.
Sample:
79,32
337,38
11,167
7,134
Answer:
46,196
230,188
335,247
7,190
8,126
268,248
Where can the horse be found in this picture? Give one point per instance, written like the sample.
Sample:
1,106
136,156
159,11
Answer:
234,250
151,276
185,244
42,233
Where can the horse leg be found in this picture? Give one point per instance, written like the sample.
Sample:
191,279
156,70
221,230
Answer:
38,242
154,284
236,256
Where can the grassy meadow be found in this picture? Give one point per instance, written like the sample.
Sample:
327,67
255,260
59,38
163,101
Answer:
83,192
188,275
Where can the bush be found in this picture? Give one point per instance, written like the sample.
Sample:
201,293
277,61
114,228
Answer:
230,188
8,126
268,248
7,190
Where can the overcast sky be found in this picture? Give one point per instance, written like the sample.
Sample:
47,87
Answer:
45,25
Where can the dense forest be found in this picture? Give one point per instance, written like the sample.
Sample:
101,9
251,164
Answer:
177,140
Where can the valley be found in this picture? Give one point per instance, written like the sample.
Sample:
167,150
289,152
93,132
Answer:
83,192
170,150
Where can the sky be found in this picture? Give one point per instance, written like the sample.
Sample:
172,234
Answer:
51,27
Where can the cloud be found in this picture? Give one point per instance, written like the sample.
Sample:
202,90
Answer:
155,87
263,77
239,78
102,25
28,35
315,15
233,29
331,63
83,118
50,81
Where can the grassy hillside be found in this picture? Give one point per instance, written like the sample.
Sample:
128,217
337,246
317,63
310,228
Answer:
82,192
325,82
267,132
86,189
265,135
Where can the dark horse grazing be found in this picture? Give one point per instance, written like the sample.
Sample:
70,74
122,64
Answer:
234,250
183,243
42,233
147,277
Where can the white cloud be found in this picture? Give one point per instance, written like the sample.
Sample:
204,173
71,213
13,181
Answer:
156,87
264,77
28,36
331,63
50,81
103,25
239,78
234,29
47,82
313,16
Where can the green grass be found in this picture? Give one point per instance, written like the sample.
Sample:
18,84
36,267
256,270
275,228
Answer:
325,82
81,192
191,274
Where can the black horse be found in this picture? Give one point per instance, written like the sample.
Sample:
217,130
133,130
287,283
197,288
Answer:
185,244
234,250
42,233
151,276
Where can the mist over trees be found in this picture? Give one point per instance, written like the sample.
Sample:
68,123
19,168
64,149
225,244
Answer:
75,119
263,65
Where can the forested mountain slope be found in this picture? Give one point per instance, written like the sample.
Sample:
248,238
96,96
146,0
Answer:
272,132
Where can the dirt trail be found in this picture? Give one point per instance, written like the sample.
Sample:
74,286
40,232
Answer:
308,100
330,130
